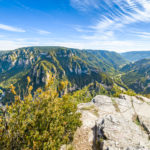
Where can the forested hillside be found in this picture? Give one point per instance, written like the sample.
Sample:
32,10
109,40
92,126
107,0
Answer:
137,76
78,67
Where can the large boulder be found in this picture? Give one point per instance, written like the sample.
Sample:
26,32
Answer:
114,124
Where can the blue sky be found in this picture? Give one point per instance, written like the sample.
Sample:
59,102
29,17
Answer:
118,25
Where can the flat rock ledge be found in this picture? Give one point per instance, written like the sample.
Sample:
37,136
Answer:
114,124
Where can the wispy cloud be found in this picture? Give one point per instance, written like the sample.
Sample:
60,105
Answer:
115,45
43,32
116,14
113,20
142,34
22,5
128,11
10,44
11,28
109,35
83,29
83,5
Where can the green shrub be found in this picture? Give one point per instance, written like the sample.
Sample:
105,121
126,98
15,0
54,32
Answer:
42,122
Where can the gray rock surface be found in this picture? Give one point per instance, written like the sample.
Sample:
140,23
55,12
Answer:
114,124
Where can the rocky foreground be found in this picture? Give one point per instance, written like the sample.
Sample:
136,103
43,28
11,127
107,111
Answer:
114,124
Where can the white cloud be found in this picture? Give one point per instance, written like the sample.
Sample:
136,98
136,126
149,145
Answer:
80,29
145,35
113,45
9,45
43,32
11,28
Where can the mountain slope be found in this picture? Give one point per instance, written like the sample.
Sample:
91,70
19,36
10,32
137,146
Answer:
137,76
111,58
103,60
136,55
78,67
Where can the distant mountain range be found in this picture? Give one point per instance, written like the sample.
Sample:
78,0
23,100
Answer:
137,76
136,55
79,67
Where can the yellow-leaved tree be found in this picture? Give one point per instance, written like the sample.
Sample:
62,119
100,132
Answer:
40,122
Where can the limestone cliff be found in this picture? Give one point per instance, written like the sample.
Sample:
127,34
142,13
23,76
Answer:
114,124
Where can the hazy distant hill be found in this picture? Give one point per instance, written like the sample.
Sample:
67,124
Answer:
136,55
109,57
137,76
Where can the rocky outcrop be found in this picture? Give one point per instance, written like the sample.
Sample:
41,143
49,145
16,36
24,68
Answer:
18,59
42,72
114,124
